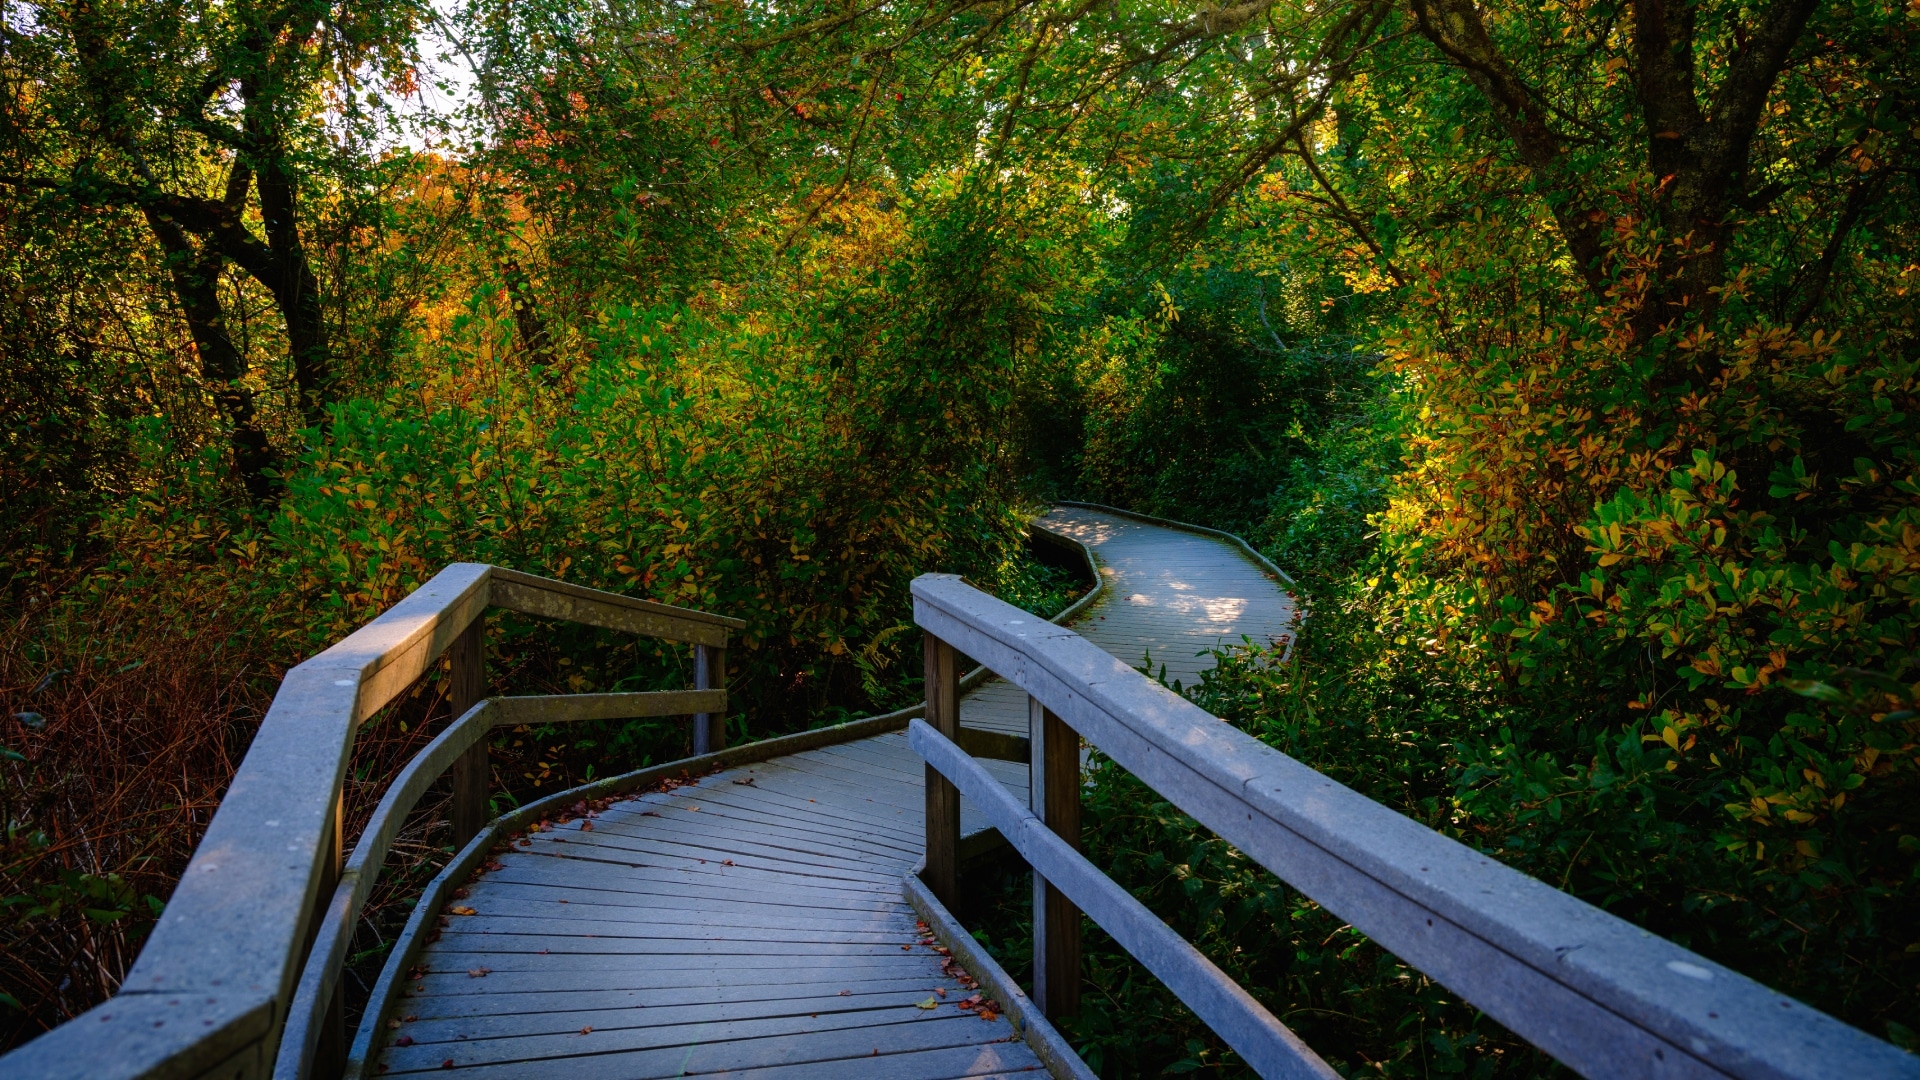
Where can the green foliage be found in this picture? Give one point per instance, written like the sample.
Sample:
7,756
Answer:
101,898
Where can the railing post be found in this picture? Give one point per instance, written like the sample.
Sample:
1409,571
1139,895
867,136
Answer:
330,1055
709,671
943,799
717,674
472,773
1054,779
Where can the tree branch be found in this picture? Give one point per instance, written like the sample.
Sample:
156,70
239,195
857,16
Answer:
1455,28
1863,192
1723,144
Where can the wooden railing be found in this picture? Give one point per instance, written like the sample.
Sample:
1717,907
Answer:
250,946
1599,994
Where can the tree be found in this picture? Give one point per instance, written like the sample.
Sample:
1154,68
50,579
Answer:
210,120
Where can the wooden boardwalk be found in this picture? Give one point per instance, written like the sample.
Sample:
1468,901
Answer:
753,923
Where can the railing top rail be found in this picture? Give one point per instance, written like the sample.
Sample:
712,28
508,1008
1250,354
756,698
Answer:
213,981
552,599
1596,992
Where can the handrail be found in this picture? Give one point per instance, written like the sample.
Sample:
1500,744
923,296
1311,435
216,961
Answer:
213,985
1599,994
1266,1043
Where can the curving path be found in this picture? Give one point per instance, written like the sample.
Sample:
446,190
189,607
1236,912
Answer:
752,923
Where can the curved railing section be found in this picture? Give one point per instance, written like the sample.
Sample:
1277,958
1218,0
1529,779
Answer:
1599,994
252,939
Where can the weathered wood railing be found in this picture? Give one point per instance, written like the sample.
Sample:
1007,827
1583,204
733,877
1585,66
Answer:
1599,994
240,977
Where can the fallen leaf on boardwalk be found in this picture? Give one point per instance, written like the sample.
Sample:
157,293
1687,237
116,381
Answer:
479,973
409,1018
846,993
447,1064
941,990
906,948
404,1040
726,862
586,826
989,1015
393,1023
462,911
928,1004
586,1030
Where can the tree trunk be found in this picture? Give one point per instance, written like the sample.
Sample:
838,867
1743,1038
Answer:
534,339
196,276
295,288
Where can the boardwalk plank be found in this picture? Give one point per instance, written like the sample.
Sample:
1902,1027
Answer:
423,1008
762,827
562,1014
590,862
655,879
709,929
558,940
802,807
718,847
706,1048
957,1063
494,903
777,842
515,973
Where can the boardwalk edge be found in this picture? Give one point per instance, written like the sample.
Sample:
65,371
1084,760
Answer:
1045,1040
